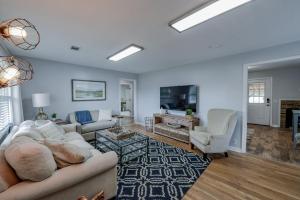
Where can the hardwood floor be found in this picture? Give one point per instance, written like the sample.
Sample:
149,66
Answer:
241,176
272,143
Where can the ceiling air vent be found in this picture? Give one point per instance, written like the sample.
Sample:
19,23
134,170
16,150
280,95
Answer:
75,48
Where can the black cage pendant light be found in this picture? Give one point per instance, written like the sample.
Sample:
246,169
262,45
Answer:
14,71
21,33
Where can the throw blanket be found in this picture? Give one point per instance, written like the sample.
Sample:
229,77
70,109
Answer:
84,117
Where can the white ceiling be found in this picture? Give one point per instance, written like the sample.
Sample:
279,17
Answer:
294,62
102,27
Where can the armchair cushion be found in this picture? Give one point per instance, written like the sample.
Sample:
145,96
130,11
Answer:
218,121
200,128
202,137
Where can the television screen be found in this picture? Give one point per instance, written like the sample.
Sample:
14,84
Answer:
179,97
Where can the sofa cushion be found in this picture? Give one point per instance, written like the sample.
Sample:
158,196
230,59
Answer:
7,175
81,144
105,114
72,136
202,137
66,154
99,125
52,131
31,160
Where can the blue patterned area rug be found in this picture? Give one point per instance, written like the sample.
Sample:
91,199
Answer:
168,174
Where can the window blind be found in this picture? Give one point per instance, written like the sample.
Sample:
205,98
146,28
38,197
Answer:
5,107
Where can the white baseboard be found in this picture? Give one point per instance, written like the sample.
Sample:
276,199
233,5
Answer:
236,149
275,126
139,123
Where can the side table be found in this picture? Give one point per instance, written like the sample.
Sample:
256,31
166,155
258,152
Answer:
60,122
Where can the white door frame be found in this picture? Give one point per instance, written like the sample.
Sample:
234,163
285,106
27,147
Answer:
134,96
245,94
271,96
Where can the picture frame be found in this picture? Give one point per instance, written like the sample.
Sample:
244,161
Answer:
88,90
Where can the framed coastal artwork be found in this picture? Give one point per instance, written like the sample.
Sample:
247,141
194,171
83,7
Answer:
86,90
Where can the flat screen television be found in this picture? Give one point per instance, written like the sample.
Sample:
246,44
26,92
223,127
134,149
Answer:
179,97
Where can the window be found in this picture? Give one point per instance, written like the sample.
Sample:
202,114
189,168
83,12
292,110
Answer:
5,107
256,92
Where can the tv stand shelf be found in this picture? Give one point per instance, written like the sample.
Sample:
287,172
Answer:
161,121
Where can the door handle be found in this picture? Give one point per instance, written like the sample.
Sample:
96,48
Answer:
268,102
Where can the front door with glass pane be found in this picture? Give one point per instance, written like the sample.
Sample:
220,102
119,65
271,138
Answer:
259,101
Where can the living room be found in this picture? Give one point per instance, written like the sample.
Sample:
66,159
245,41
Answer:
74,74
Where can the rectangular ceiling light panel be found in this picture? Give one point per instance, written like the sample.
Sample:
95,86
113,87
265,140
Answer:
130,50
205,13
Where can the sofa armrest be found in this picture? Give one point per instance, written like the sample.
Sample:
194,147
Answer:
63,178
69,127
200,128
219,142
78,127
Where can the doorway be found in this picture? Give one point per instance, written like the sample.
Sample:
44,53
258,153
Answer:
267,86
259,101
127,100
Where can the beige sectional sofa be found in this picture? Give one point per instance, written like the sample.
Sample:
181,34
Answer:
88,130
98,173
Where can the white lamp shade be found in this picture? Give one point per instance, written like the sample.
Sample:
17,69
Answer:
40,100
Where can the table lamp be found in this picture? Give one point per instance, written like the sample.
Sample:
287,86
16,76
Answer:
41,100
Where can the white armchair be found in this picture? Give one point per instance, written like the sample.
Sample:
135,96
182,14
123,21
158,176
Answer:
216,136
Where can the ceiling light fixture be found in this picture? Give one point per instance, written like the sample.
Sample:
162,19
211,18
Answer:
14,71
205,12
75,48
21,33
130,50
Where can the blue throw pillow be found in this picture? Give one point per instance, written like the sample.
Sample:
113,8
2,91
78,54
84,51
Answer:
84,117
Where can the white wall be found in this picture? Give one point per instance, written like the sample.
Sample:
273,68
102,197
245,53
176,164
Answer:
220,83
285,83
55,78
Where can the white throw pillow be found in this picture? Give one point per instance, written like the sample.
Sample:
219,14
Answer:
27,124
33,133
105,114
52,131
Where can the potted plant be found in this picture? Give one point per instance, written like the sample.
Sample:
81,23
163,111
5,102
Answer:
53,116
189,113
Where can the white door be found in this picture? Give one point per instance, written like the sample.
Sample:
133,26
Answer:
259,101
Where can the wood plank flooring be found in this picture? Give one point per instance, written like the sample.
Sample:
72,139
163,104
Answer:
272,143
241,176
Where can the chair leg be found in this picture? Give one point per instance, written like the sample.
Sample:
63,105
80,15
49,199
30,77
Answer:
226,154
192,145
